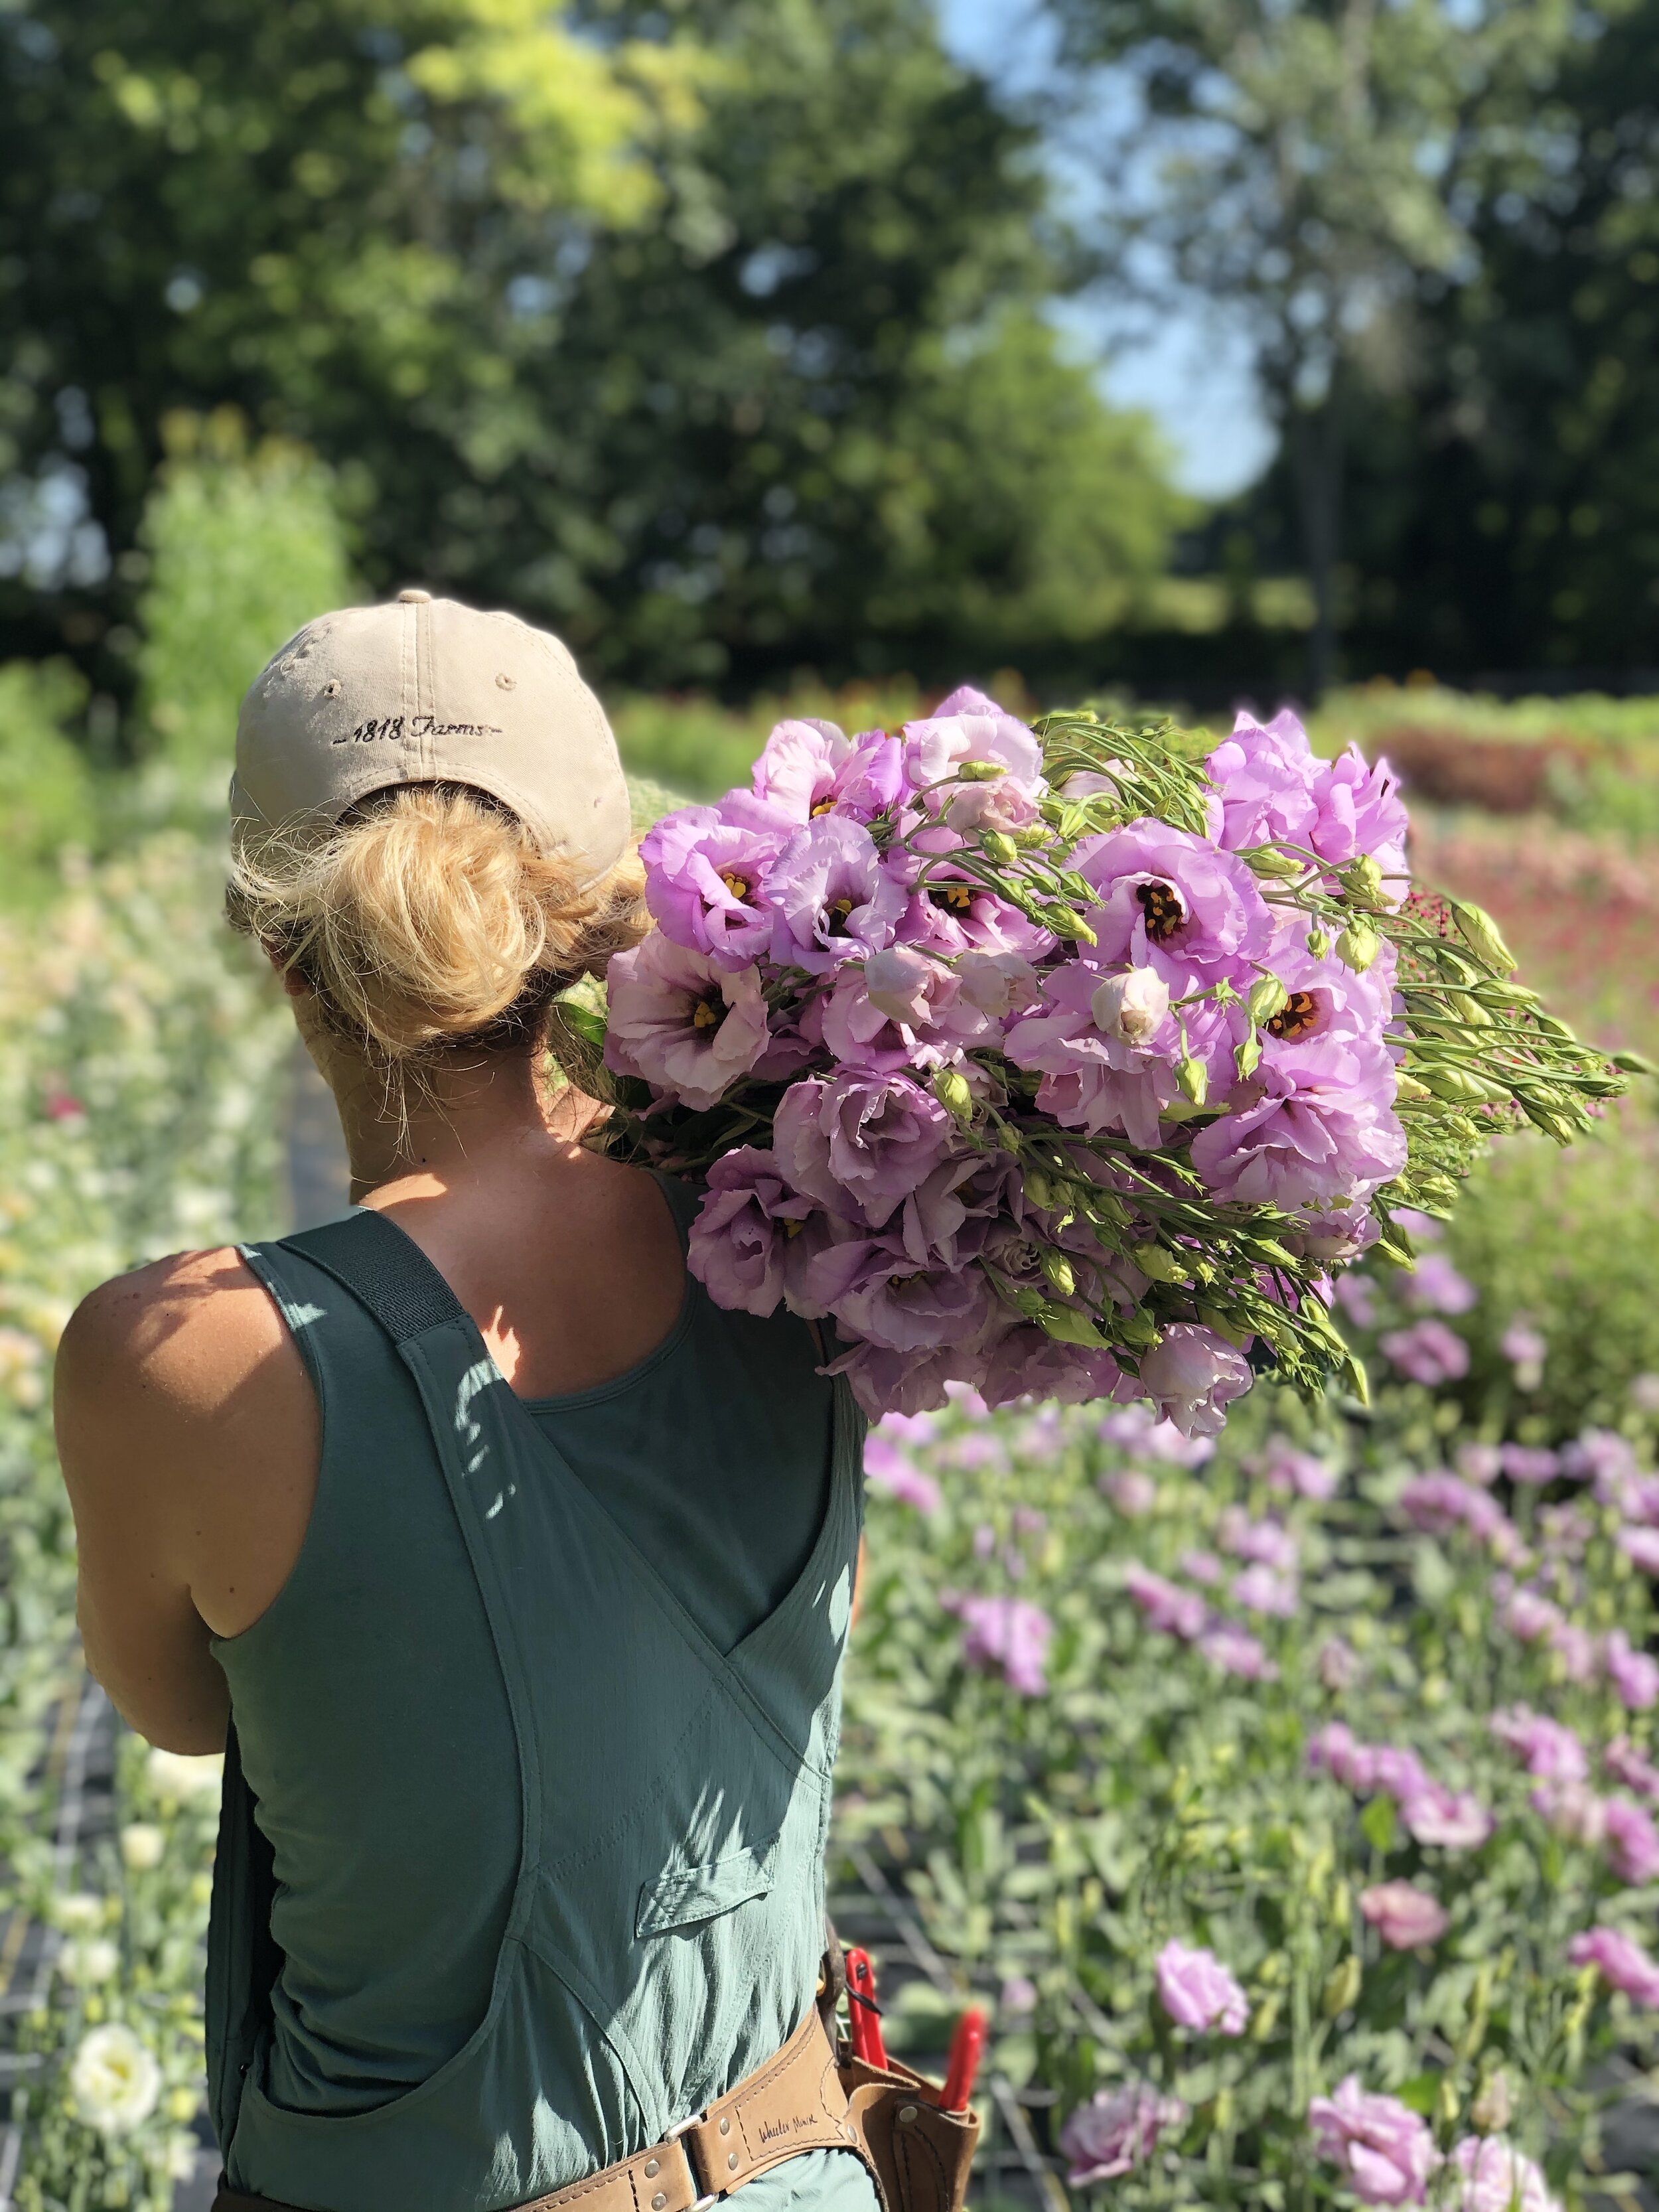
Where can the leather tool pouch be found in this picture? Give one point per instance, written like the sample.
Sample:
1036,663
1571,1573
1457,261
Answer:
920,2155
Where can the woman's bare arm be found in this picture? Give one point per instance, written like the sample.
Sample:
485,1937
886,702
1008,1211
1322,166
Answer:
188,1435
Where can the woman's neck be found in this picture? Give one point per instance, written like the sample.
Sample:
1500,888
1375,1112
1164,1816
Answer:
481,1116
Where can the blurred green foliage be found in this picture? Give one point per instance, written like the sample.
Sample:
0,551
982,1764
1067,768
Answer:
49,795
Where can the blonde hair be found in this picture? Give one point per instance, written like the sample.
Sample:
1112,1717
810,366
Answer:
427,920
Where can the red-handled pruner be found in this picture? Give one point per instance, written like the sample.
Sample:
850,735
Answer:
967,2049
863,2013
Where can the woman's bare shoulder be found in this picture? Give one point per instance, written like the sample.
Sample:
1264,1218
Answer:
182,1332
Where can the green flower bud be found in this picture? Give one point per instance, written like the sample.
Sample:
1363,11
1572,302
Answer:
1362,880
1357,946
1407,1086
1319,942
1267,861
1482,936
1267,2017
1142,1333
979,771
1039,1189
1000,847
1341,1991
1634,1063
1248,1056
1194,1077
1067,1326
1029,1302
951,1089
1158,1263
1472,1010
1490,2113
1057,1268
1267,997
1064,923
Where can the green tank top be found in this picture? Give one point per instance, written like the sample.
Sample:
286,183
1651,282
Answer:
521,1856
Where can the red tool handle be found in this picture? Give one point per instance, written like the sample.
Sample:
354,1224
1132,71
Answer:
863,2014
967,2049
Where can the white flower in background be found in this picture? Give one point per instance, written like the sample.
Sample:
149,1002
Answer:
176,1777
141,1845
182,2153
1131,1007
114,2080
77,1911
21,1359
87,1959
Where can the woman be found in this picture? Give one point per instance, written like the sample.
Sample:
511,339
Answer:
518,1571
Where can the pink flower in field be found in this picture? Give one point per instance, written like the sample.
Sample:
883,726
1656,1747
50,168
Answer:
887,1470
1201,1567
1168,1607
1494,2177
686,1025
1526,1351
1527,1616
1235,1651
1294,1473
1268,1543
909,1428
1641,1545
1118,2131
965,1396
1137,1429
1437,1287
1481,1463
1439,1502
1573,1810
1634,1676
1529,1463
1455,1819
1132,1493
1338,1664
64,1106
1427,1352
1197,1991
1264,1589
1603,1457
1384,2150
1576,1647
1008,1636
1357,1296
1549,1749
1620,1960
1632,1841
1404,1916
1627,1765
1565,1531
1398,1771
1644,1394
1335,1750
1191,1376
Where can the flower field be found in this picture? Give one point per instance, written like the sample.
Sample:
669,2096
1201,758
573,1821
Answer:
1291,1798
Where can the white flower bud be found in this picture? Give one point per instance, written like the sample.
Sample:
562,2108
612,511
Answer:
141,1845
1131,1007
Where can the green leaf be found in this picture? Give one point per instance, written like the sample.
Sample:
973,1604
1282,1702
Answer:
1376,1824
1420,2093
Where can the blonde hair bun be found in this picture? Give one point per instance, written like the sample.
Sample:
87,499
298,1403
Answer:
427,918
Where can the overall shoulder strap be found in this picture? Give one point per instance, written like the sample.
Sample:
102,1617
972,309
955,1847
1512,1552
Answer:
385,1269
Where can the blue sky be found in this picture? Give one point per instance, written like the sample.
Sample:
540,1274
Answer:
1193,375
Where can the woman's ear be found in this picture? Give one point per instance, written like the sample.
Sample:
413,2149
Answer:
289,977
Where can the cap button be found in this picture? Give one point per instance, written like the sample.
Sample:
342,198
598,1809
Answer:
414,598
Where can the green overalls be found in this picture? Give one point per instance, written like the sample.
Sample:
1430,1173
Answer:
520,1863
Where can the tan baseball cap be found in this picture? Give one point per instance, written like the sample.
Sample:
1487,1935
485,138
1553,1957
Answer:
425,690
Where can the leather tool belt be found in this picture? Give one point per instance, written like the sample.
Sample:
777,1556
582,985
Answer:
814,2096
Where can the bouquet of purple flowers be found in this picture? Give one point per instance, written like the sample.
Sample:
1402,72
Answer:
1065,1061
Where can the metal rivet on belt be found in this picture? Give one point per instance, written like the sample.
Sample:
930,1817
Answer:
731,2161
725,2127
906,2111
652,2168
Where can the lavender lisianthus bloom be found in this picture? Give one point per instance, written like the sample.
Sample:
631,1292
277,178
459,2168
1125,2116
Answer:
1437,1287
888,1468
1263,1589
1023,1361
685,1023
1164,891
875,1290
1117,2131
1197,1991
859,1143
1404,1916
1641,1547
905,1385
808,767
1235,1651
901,1010
1267,778
1266,1542
1167,1608
1008,1636
1493,2176
1131,1490
1620,1960
706,874
1440,1503
1633,1768
747,1227
830,897
1191,1376
1296,1145
1632,1841
968,726
1531,1464
951,913
1336,1750
1360,810
1383,2150
1293,1472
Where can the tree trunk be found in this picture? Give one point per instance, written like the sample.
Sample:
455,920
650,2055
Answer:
1315,438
